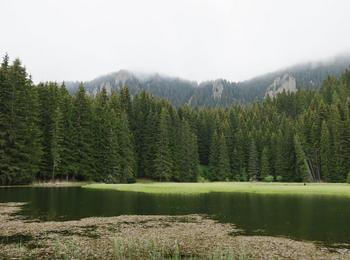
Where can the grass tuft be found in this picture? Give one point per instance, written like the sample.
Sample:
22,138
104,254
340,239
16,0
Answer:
156,249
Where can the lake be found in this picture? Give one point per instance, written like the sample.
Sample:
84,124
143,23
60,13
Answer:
325,219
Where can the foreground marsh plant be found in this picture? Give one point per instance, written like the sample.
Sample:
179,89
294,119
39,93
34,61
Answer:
152,248
156,249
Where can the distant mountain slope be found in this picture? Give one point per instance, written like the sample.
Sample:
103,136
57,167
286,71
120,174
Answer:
308,76
218,92
177,90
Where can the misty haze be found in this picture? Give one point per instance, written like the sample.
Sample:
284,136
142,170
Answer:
189,129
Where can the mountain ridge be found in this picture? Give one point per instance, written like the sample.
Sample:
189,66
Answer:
217,92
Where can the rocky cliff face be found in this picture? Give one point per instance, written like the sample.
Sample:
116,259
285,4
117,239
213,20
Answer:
286,83
218,87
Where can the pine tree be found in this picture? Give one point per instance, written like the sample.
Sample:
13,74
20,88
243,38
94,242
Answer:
83,137
126,151
281,163
253,164
56,141
188,153
232,143
242,154
163,158
5,119
176,146
346,139
219,164
338,169
125,101
149,149
301,164
205,126
235,165
104,145
51,126
20,135
264,163
66,168
325,153
142,124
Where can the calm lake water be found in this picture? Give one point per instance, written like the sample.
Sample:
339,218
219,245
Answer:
316,218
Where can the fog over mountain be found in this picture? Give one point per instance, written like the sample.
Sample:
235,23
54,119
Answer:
192,39
219,92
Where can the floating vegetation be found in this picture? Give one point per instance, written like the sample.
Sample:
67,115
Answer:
145,237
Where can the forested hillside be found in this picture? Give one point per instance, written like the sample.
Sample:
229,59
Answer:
46,133
215,93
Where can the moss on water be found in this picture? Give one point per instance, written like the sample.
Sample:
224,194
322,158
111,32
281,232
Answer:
335,189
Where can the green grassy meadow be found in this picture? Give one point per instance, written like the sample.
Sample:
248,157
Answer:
338,189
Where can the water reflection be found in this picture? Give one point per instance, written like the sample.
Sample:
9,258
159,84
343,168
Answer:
300,217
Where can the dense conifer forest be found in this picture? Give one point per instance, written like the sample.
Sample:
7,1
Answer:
48,134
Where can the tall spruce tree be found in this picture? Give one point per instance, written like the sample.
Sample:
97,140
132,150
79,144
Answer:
51,126
19,143
303,173
325,153
56,141
265,163
253,163
188,153
84,163
163,158
281,160
152,131
126,151
66,168
125,101
6,165
338,169
219,163
104,145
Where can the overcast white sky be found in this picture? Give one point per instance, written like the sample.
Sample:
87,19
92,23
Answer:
194,39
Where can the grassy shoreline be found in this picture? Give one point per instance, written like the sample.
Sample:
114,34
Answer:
51,184
330,189
60,184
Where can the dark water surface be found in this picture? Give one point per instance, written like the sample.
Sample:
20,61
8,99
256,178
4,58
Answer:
316,218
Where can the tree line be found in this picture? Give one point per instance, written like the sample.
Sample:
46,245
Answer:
48,134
